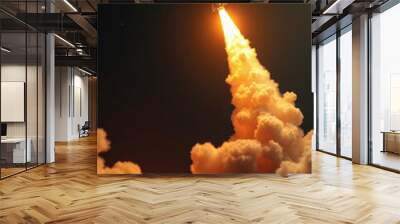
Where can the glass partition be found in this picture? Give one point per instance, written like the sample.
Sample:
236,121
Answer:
14,155
22,89
41,85
31,99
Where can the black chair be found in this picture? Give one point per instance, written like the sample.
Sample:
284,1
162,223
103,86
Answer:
84,130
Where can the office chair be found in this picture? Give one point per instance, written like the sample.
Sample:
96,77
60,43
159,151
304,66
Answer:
84,130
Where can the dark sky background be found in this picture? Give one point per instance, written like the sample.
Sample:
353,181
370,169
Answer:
162,70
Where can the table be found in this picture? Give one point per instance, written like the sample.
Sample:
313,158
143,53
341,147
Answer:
391,141
13,150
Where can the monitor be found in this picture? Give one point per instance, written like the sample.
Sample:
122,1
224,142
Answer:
3,129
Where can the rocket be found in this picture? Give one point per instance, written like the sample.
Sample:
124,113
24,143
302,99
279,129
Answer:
217,6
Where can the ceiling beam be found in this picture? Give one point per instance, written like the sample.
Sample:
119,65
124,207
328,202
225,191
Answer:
81,61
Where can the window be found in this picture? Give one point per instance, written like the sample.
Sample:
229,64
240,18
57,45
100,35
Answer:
327,95
334,95
346,93
385,89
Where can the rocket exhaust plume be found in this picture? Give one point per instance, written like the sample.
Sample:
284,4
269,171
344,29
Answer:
104,145
267,137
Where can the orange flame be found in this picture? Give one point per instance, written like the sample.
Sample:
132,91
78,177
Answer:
231,32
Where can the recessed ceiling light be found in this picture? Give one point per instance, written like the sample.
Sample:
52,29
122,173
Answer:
64,40
70,5
332,7
84,71
5,50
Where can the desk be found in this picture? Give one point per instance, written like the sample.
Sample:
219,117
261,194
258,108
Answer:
391,141
13,150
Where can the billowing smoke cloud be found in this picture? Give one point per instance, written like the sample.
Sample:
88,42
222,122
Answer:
267,136
104,145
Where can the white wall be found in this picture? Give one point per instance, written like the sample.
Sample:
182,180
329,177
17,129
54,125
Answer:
62,81
15,72
9,73
80,110
71,102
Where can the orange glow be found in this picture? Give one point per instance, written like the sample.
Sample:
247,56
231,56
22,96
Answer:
120,167
231,32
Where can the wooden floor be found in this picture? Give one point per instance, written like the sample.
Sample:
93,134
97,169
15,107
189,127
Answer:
5,172
69,191
387,159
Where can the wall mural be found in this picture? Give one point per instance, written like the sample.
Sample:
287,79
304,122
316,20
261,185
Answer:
182,88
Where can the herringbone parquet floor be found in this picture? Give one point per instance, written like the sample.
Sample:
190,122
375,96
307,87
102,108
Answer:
69,191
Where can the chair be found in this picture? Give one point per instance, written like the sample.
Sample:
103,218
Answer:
84,130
